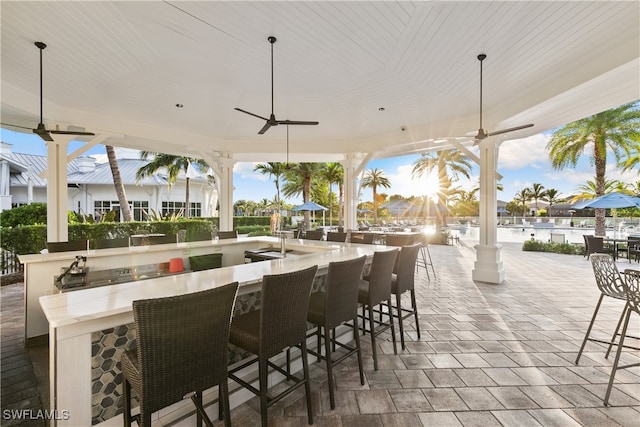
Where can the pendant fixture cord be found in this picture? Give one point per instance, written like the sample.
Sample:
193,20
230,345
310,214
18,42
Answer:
481,92
287,144
41,114
272,74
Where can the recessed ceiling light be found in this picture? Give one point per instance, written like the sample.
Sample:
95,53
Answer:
381,109
179,105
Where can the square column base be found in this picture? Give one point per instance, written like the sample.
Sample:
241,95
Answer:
488,266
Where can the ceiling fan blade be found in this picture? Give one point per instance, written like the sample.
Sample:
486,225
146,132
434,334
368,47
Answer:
296,122
498,132
265,127
251,114
16,126
44,134
71,132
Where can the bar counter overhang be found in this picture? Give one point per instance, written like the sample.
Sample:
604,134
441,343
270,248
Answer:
76,317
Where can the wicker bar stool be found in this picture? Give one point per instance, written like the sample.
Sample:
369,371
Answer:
337,304
332,236
182,350
632,291
403,280
313,235
374,290
611,284
233,234
279,323
70,246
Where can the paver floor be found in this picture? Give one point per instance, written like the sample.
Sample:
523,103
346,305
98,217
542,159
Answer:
488,355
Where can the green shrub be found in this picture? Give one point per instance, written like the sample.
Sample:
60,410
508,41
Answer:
35,213
558,248
252,229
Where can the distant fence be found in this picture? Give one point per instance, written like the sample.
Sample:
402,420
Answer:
9,263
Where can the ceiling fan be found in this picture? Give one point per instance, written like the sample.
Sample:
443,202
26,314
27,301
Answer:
40,130
482,134
272,121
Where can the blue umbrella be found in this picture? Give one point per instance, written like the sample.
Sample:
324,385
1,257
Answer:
610,201
309,206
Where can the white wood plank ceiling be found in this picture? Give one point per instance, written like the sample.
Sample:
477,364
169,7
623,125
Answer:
120,67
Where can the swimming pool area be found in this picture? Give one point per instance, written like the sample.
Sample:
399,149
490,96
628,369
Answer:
518,234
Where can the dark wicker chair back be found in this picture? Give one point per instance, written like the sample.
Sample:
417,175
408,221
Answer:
398,240
121,242
406,266
632,278
200,236
162,240
596,246
182,346
313,235
366,238
608,278
233,234
332,236
380,276
341,291
283,310
72,245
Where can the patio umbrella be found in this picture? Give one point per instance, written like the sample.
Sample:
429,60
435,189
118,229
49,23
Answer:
312,207
610,201
397,206
365,212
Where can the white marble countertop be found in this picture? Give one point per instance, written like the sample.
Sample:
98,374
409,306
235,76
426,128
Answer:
90,304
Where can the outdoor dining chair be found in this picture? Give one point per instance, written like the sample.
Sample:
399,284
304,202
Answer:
403,280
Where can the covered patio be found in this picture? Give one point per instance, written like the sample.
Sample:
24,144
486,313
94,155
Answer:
383,79
498,356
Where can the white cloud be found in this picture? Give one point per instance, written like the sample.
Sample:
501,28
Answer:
245,170
519,153
121,153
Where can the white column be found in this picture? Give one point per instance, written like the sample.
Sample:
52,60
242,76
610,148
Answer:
350,189
488,266
57,196
223,168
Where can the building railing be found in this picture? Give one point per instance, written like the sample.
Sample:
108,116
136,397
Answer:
9,263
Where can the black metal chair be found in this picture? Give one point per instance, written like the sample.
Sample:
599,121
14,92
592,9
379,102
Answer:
332,236
72,245
634,249
121,242
313,235
375,290
611,284
337,304
182,350
233,234
279,323
403,280
631,286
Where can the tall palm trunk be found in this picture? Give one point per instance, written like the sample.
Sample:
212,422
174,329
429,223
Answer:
601,167
340,205
117,182
375,203
306,194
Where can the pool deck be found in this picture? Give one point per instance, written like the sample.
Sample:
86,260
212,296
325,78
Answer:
489,355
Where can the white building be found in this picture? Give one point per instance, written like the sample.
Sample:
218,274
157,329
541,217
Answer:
90,186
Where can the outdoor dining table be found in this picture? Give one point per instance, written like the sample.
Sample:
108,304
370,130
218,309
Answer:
615,244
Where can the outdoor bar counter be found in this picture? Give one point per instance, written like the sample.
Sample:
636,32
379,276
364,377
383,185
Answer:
90,328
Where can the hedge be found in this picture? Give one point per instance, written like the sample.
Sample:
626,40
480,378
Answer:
558,248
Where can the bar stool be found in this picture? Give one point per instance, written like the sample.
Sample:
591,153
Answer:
364,238
374,290
182,348
330,308
332,236
611,284
632,291
403,280
72,245
313,235
121,242
279,323
233,234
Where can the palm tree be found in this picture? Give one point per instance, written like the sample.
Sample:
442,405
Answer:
631,162
374,178
614,130
299,178
589,190
536,192
174,165
275,170
551,196
332,172
117,182
522,198
449,165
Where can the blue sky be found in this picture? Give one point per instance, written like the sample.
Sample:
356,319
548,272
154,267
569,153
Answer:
521,162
